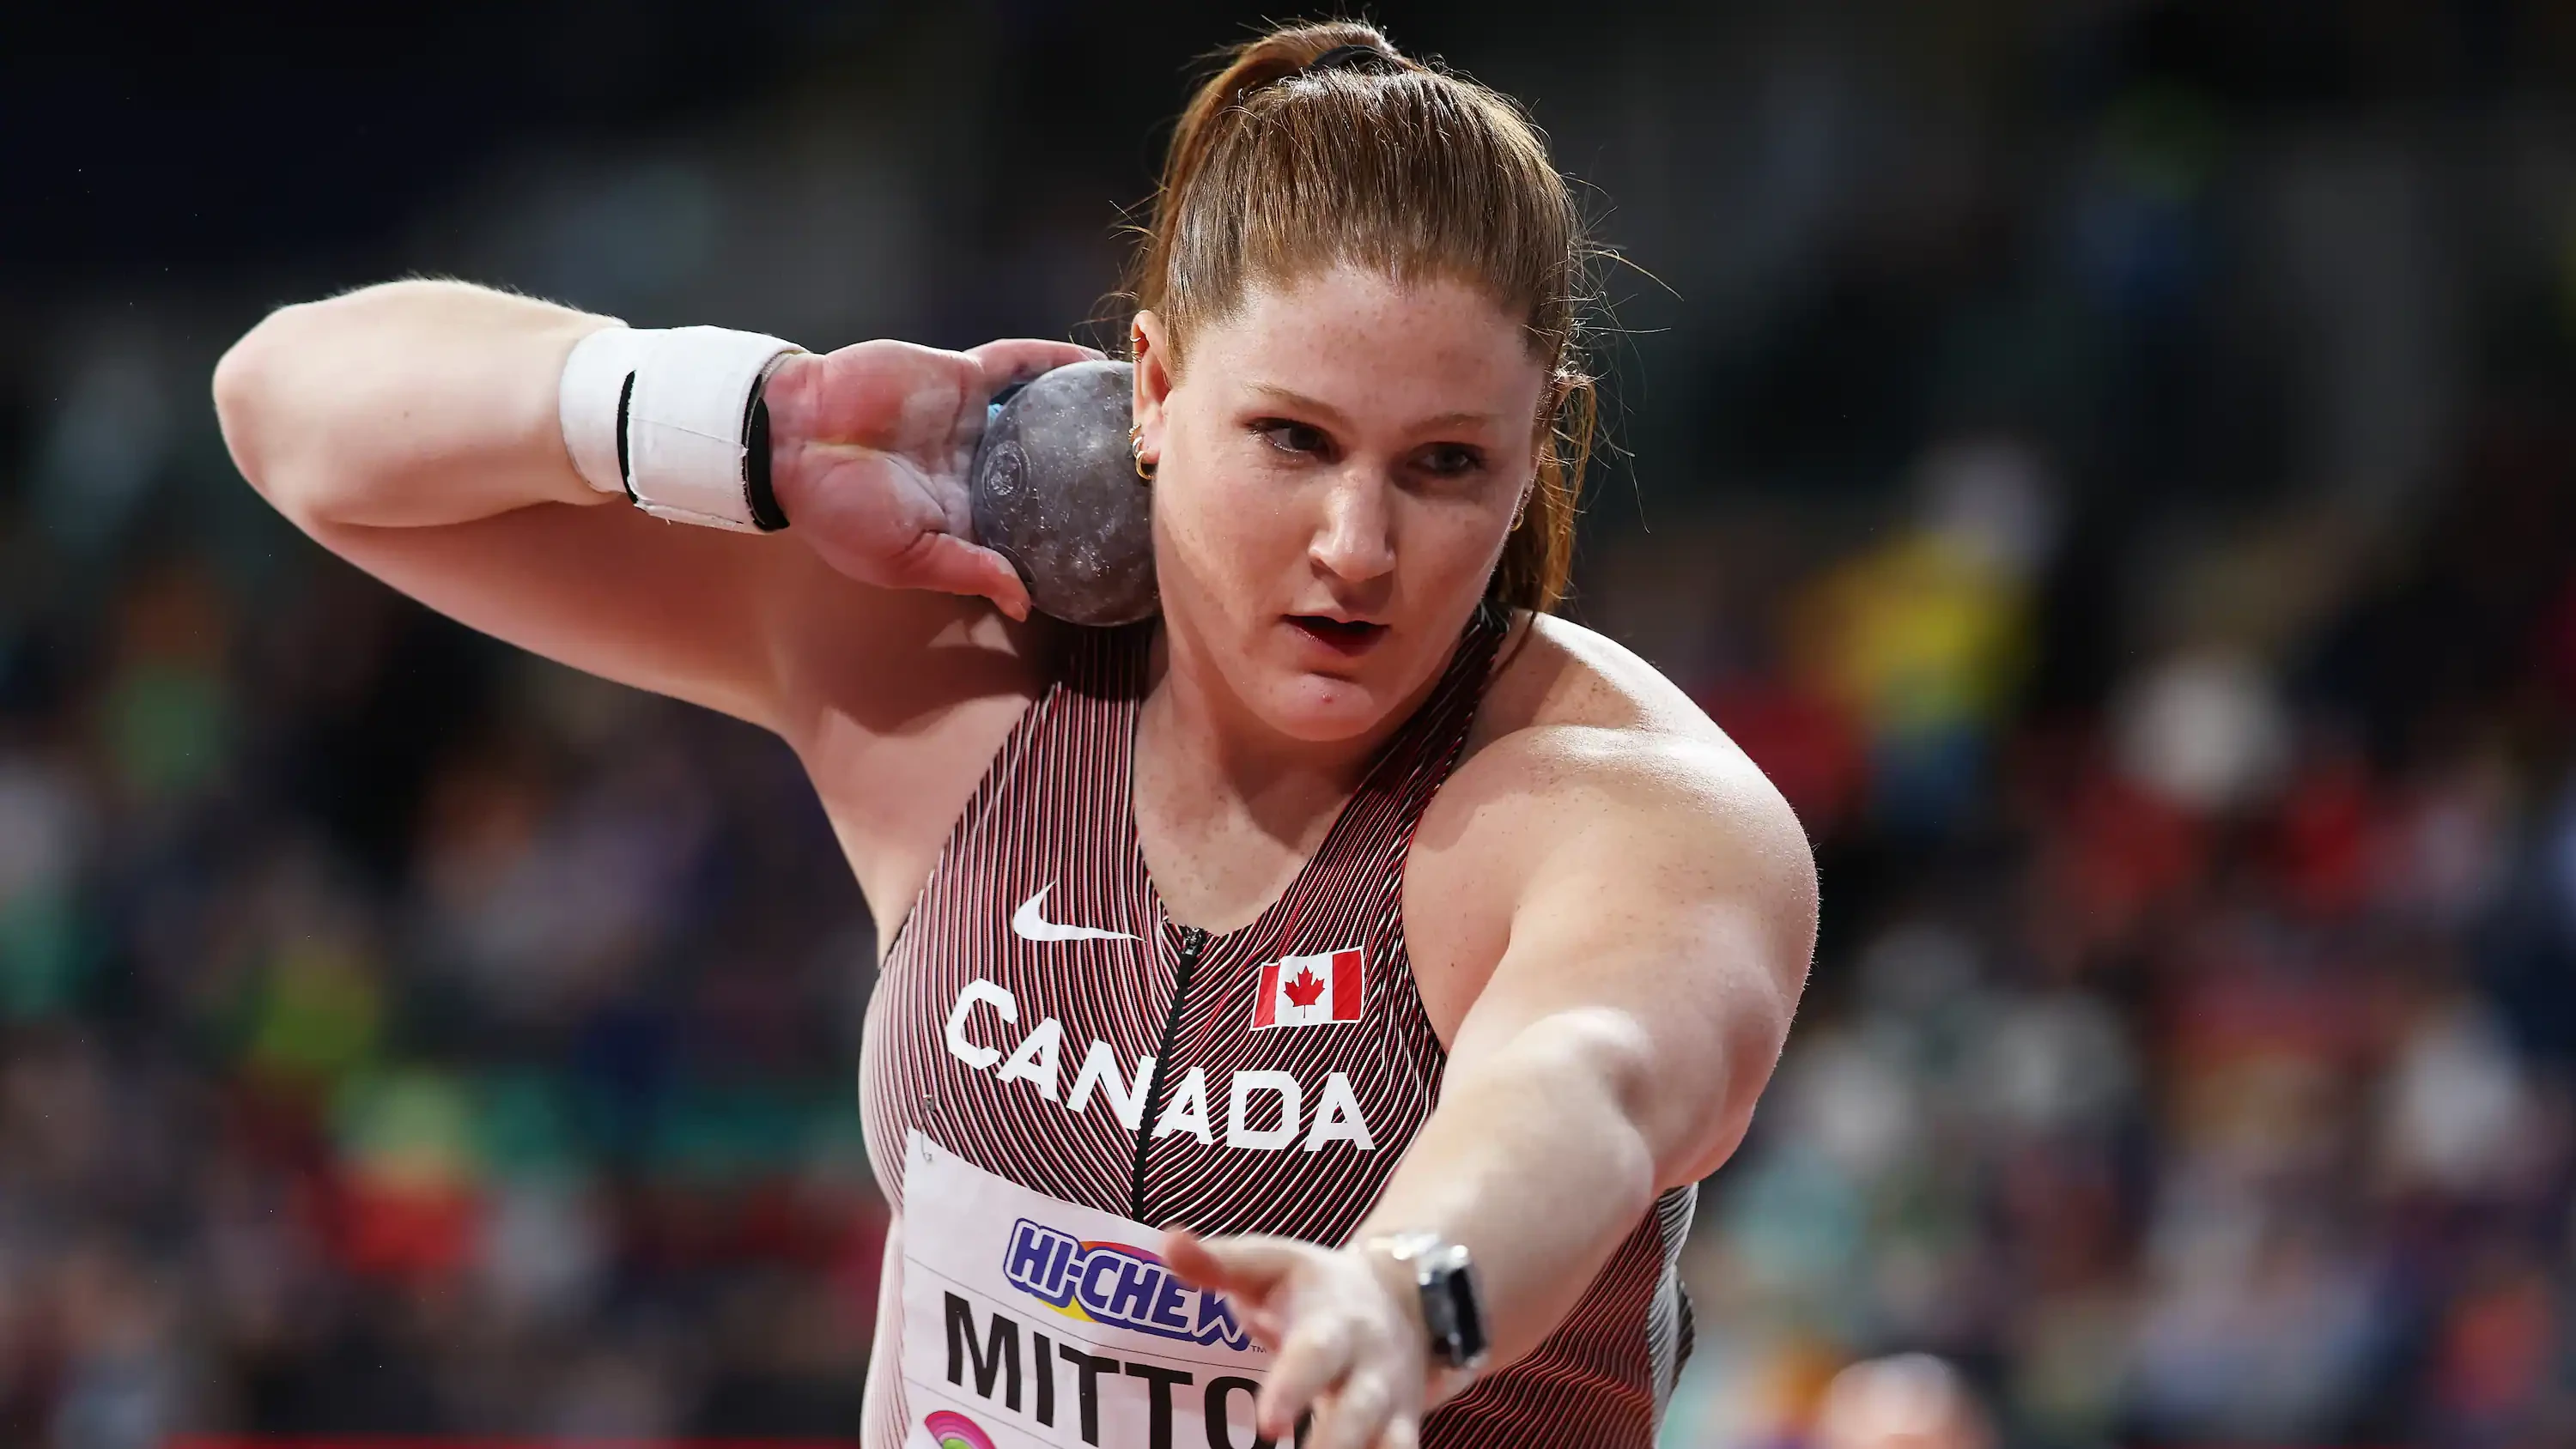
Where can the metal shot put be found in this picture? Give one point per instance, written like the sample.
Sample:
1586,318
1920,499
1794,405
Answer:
1056,490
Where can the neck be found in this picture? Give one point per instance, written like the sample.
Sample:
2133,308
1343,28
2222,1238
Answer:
1227,808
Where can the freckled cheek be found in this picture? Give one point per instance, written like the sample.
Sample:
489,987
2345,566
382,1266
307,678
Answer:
1200,553
1228,521
1449,546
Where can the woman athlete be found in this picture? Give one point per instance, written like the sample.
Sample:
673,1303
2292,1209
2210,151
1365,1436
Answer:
1406,953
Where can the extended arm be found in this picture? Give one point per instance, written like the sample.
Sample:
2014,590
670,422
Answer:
1664,916
1657,953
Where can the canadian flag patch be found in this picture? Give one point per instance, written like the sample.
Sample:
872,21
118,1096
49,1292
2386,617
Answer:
1311,990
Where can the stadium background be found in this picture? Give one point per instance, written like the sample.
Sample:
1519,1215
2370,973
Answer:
2114,462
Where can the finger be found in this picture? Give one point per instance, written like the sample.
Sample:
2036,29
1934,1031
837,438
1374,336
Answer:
1264,1324
1352,1416
1017,359
1239,1267
1314,1356
951,565
1402,1431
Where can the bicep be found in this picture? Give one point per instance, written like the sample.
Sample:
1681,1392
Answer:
894,699
686,612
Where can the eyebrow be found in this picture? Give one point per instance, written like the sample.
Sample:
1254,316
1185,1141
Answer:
1298,401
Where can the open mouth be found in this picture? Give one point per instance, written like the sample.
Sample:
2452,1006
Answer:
1342,636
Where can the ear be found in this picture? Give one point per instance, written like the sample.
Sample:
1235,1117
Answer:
1150,341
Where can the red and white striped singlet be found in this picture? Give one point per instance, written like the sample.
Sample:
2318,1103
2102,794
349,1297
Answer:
1040,920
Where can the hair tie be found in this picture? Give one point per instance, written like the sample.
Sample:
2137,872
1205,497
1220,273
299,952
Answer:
1367,58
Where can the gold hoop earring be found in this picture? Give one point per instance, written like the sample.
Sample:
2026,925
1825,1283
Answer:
1136,445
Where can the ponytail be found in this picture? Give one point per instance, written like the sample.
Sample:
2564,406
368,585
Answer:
1217,106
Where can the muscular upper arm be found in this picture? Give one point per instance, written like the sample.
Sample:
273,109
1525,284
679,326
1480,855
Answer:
893,698
1657,905
754,626
414,429
693,613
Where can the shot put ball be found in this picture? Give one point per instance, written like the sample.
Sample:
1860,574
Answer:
1055,491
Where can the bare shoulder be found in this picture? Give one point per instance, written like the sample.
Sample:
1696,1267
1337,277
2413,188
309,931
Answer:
1553,671
1577,732
1586,760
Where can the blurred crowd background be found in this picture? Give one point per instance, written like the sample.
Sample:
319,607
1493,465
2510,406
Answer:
2113,463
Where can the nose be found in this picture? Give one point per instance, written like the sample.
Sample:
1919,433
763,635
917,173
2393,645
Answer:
1355,541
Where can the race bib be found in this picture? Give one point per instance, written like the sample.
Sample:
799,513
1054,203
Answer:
1030,1323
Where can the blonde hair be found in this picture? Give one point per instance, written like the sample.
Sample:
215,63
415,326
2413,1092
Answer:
1281,166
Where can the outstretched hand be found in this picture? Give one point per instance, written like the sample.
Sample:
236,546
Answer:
869,452
1346,1337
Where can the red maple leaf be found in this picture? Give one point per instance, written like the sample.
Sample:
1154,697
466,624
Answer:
1305,989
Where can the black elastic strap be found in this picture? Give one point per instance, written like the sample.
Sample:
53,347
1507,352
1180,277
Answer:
625,476
765,512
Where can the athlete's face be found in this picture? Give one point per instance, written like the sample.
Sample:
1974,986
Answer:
1339,464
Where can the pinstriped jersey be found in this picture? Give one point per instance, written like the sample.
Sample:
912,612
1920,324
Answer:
1042,1018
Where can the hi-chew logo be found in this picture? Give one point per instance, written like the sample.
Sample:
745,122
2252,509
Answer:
1115,1284
1311,990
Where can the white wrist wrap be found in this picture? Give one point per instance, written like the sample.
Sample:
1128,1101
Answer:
686,399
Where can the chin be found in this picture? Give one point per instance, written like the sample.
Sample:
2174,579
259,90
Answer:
1320,709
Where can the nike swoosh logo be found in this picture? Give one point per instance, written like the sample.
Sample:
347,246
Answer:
1029,925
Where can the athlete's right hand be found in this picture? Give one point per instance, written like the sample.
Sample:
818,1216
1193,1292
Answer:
869,450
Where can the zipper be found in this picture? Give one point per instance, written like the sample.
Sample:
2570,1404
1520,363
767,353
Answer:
1193,943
